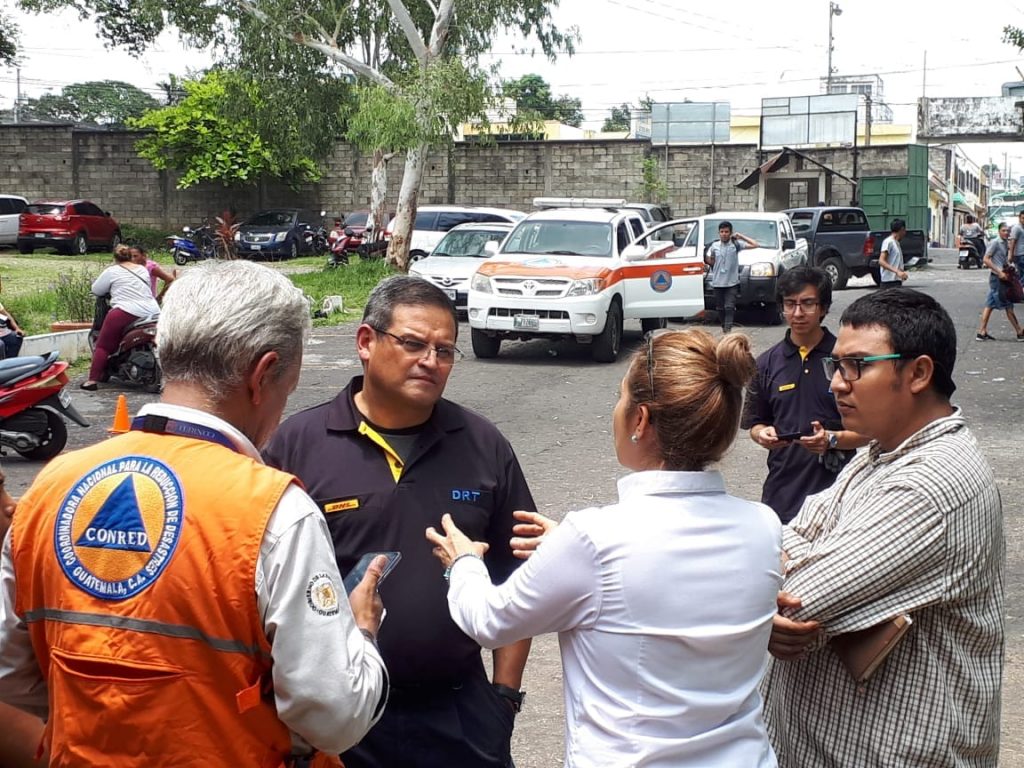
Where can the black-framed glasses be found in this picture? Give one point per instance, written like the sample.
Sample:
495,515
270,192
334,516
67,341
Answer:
851,368
789,306
446,356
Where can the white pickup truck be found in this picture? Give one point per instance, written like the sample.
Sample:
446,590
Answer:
578,271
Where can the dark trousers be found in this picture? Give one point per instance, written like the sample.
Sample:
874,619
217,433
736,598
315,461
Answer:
725,302
890,284
110,336
464,726
12,345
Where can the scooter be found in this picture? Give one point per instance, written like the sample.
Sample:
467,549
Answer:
196,245
347,243
135,360
971,253
34,404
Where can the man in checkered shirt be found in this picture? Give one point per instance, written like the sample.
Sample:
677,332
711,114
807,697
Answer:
912,525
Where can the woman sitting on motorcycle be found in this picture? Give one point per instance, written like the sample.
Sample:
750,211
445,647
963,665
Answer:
131,298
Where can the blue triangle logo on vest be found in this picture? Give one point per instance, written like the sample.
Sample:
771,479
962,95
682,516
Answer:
118,523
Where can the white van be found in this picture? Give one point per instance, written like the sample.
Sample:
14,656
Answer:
432,221
11,208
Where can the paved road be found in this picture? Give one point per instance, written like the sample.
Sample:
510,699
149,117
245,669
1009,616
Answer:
555,406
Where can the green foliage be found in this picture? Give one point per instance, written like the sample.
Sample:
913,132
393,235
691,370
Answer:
654,189
1014,36
534,100
74,299
150,239
8,41
199,137
619,119
100,102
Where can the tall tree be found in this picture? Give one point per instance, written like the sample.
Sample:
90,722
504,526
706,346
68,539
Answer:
534,100
390,45
620,118
99,102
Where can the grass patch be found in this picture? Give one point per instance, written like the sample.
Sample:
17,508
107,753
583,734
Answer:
353,282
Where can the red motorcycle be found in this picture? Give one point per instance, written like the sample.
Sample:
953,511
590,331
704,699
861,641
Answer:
344,243
34,404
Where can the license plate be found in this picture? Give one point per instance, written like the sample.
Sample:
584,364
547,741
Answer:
64,397
526,322
40,234
256,247
449,292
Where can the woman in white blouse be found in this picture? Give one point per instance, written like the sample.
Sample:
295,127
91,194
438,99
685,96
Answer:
131,298
663,601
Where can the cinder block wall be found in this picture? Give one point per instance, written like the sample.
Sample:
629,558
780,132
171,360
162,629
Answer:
58,161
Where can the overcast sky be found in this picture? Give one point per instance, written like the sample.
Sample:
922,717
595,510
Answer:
729,50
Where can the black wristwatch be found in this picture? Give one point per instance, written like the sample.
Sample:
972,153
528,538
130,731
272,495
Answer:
516,697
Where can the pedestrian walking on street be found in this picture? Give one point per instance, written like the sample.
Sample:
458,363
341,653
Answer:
387,457
789,408
904,532
663,601
165,597
722,256
1015,247
996,259
890,258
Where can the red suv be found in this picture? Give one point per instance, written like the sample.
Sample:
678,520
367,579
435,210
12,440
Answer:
70,226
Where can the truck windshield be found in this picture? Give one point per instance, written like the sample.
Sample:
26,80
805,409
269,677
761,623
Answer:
467,242
568,238
766,233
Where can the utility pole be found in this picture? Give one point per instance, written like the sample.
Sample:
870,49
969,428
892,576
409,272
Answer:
833,10
924,76
867,119
17,95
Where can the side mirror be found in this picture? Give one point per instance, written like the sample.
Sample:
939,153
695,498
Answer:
635,252
187,230
106,213
349,232
322,214
491,247
788,245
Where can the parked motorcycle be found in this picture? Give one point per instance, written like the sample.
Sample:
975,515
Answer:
135,360
343,246
972,251
34,404
197,244
316,240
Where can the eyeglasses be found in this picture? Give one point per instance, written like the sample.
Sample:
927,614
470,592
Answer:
446,356
851,368
789,306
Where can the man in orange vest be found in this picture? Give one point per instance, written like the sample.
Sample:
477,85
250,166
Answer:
165,597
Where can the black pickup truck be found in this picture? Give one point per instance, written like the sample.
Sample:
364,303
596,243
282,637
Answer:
840,241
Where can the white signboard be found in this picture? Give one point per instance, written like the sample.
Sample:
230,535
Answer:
690,122
793,121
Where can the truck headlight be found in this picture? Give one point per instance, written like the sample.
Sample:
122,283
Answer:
481,283
586,287
763,269
280,236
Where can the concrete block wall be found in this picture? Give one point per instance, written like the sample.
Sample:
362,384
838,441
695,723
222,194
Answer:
58,161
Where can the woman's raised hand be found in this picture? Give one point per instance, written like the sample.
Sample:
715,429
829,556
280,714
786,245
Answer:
529,532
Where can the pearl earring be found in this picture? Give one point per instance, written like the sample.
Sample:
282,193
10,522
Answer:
634,439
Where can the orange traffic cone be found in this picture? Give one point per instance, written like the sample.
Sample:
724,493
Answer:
122,422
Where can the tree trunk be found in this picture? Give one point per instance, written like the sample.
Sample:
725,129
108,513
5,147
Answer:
375,223
401,229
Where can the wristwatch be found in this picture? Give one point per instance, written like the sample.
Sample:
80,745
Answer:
516,697
833,440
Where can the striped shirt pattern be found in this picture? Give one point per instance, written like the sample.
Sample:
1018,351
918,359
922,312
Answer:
918,530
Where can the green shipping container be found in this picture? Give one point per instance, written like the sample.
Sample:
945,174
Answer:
884,198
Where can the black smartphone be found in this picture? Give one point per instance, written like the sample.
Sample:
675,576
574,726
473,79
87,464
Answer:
356,575
789,435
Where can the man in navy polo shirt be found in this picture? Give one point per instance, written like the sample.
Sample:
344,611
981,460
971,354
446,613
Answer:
789,407
384,460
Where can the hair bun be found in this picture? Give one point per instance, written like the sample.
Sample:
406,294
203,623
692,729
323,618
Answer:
736,365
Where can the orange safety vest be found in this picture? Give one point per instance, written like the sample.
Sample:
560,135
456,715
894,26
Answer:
135,563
